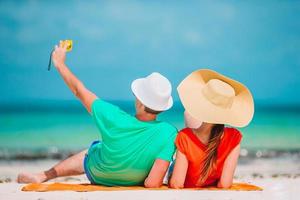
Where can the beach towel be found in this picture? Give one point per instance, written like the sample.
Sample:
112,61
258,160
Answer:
46,187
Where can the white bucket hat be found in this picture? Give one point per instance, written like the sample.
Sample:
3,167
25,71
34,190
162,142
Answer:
154,91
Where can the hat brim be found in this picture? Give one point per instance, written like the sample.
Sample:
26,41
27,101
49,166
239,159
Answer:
190,92
139,92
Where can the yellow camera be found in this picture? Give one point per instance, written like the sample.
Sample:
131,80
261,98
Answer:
65,43
68,44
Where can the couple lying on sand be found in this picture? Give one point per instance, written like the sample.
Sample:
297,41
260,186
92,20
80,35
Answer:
137,150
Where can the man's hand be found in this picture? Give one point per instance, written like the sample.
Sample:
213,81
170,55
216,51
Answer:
59,55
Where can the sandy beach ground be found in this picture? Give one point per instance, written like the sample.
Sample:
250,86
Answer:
279,180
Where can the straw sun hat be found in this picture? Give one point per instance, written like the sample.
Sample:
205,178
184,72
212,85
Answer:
214,98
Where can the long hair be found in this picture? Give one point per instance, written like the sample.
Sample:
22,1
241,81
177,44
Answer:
210,158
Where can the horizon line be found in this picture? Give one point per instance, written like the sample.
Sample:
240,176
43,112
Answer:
76,106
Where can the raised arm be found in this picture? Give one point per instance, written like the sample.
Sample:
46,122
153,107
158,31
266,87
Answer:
76,86
179,172
229,168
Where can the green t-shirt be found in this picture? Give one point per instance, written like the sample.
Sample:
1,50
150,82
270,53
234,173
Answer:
128,148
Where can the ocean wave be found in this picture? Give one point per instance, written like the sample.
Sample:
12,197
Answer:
246,155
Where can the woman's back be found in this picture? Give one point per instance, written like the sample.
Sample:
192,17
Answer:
194,150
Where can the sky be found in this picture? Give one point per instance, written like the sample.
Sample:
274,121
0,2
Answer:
115,42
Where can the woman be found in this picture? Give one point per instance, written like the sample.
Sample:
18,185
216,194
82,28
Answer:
207,151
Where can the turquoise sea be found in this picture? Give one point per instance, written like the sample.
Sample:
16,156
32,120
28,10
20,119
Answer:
55,129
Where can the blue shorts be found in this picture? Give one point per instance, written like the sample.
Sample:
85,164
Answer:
88,175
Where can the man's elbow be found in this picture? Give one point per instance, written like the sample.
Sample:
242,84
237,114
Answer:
77,90
149,184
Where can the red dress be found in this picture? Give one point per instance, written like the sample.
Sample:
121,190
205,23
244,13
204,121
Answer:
194,150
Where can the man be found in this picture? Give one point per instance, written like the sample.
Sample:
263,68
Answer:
134,150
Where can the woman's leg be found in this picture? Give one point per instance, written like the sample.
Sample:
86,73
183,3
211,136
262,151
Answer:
69,167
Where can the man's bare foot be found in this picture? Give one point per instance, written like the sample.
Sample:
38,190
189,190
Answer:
31,178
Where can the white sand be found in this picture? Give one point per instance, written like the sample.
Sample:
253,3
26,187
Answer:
285,186
285,189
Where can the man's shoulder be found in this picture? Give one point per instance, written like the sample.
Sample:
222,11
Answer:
102,103
110,111
167,127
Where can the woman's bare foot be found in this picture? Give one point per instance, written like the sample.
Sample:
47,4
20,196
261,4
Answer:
31,178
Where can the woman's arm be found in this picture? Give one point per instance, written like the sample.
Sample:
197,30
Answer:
229,168
179,172
156,176
75,85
